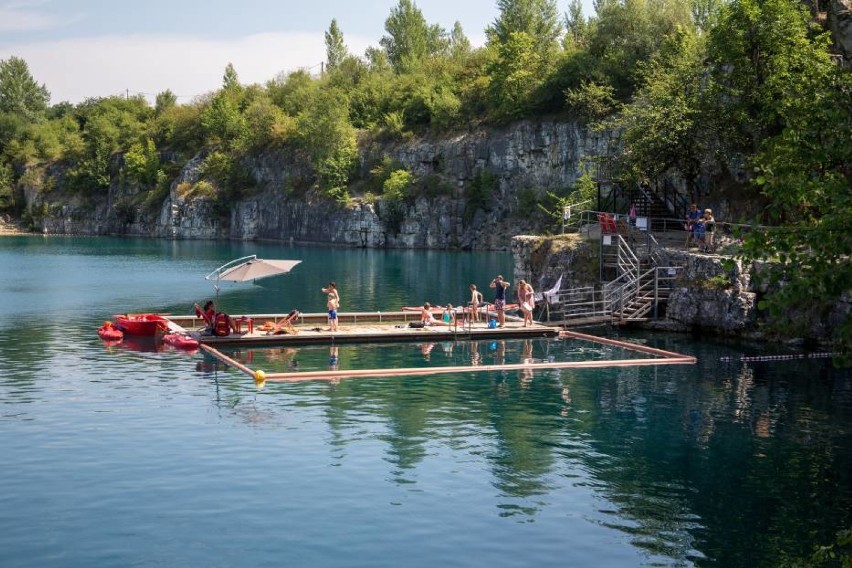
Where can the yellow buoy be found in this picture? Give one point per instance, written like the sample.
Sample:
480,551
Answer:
259,379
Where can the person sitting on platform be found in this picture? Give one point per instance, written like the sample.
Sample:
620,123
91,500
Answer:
426,317
448,315
218,323
207,314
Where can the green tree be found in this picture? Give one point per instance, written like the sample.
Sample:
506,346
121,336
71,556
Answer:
781,95
335,49
627,32
459,44
109,125
377,59
665,125
143,162
19,92
705,12
293,93
577,27
164,101
515,76
326,133
409,38
230,80
538,19
266,125
222,119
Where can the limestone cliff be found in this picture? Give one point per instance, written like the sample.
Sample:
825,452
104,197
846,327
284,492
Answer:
525,160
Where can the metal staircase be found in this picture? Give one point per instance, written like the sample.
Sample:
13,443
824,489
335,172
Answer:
637,288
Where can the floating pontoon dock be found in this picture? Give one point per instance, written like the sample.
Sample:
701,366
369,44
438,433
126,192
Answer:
358,327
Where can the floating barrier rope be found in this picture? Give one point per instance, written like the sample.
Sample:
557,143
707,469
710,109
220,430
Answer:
728,359
664,358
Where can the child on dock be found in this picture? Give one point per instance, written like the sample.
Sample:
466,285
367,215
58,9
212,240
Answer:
333,304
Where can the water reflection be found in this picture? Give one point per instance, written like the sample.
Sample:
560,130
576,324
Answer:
694,464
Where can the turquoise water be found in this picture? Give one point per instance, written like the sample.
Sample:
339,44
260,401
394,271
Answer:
136,455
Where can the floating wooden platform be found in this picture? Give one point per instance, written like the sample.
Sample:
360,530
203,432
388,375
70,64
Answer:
359,327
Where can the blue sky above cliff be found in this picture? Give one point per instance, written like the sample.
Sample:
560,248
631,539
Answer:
84,48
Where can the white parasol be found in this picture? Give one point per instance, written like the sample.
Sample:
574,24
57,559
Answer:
250,268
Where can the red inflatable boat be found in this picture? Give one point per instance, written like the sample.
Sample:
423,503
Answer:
141,324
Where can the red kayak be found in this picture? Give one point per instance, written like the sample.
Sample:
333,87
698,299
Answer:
180,341
141,324
109,332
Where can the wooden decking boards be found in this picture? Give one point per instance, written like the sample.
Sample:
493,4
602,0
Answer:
364,327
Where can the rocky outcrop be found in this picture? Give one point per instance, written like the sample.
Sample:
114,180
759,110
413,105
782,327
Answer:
713,293
543,260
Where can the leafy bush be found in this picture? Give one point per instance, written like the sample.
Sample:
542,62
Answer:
396,187
591,101
202,189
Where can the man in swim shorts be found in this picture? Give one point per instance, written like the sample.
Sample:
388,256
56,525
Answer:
500,286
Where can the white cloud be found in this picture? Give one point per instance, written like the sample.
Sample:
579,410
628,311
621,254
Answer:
22,17
76,69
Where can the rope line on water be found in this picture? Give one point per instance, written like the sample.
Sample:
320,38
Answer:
749,358
665,358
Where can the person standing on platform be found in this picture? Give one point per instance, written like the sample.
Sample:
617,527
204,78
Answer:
709,230
500,286
692,217
526,299
333,304
475,302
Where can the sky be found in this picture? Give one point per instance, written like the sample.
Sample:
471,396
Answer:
91,48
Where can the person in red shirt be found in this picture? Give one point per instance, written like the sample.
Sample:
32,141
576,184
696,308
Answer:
208,314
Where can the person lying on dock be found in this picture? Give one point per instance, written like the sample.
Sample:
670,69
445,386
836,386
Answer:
426,317
286,324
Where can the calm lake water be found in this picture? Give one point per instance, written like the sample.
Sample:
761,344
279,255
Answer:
135,455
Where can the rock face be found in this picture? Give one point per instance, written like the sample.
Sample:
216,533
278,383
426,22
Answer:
713,293
524,161
541,261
